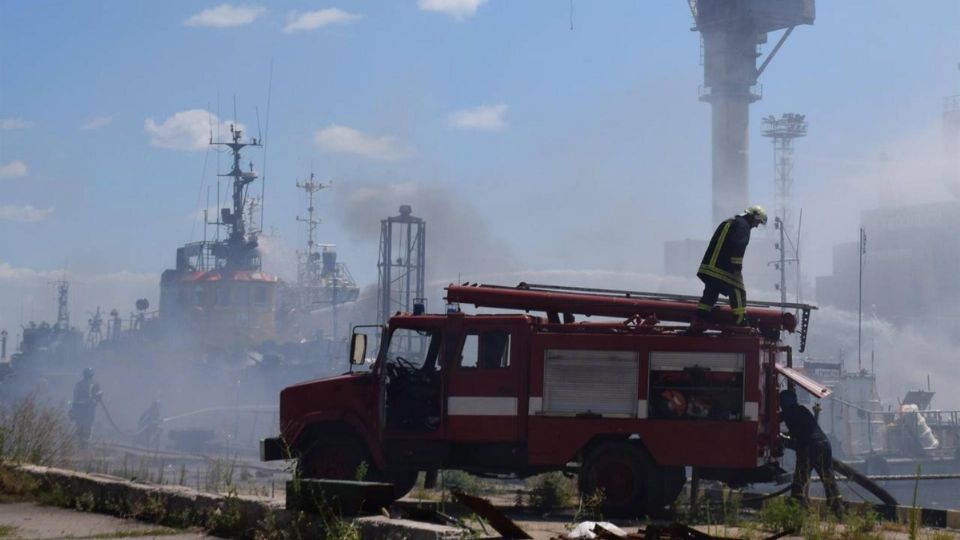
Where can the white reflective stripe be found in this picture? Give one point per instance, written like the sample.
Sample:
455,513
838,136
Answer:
535,405
481,406
751,411
641,408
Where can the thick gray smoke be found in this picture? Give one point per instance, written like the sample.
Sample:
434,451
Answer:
903,358
903,172
278,257
458,240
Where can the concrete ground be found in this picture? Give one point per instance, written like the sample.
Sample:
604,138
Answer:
30,521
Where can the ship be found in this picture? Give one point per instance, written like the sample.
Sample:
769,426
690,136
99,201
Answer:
218,292
322,283
893,443
226,337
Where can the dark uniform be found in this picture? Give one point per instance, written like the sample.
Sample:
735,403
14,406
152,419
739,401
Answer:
720,270
86,394
813,451
148,431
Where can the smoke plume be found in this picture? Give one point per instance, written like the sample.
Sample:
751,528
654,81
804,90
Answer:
459,242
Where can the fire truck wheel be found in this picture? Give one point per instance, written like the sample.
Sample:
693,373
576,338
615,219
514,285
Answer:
403,482
632,484
619,470
337,457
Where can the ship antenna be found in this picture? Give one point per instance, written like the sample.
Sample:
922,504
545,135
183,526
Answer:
263,180
219,138
259,132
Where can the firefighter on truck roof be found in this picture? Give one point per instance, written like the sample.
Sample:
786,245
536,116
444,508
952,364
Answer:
720,270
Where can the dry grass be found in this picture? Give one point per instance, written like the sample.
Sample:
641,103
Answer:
33,432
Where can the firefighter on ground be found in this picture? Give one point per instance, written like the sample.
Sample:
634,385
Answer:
148,429
720,270
86,395
813,451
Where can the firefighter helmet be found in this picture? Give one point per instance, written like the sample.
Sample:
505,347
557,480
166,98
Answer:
758,213
87,372
788,398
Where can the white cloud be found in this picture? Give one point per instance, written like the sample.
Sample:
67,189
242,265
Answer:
485,117
8,272
457,9
311,20
13,169
346,140
123,277
98,122
14,123
225,16
24,214
185,130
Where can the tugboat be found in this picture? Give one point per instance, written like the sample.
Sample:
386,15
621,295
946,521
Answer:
218,291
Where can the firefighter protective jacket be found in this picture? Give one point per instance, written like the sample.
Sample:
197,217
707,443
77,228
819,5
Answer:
802,425
723,260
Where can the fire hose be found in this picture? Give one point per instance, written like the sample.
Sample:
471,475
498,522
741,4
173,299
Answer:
864,482
106,412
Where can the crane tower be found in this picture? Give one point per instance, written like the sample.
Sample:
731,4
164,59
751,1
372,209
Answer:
731,32
951,140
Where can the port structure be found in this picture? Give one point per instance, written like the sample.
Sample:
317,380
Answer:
731,32
402,265
951,142
63,305
783,131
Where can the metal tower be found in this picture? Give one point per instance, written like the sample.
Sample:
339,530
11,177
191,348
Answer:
731,31
402,263
783,131
63,299
951,141
310,267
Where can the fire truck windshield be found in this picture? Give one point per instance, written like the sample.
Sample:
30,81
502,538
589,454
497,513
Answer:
412,349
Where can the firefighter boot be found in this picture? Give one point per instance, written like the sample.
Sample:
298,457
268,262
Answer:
700,322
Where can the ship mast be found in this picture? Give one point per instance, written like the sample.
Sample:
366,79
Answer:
310,268
238,252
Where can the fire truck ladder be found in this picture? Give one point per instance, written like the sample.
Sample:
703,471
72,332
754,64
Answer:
556,299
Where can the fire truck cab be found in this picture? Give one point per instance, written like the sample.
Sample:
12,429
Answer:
626,403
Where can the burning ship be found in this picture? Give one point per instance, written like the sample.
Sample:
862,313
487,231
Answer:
227,334
218,290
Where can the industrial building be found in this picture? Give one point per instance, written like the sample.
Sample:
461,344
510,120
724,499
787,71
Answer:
911,258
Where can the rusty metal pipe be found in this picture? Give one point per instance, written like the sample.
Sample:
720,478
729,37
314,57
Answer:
607,306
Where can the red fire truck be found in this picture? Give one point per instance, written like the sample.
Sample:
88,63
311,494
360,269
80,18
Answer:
626,402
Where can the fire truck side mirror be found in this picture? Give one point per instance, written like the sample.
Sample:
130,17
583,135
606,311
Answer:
358,349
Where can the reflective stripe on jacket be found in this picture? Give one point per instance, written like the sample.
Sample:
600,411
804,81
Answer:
723,259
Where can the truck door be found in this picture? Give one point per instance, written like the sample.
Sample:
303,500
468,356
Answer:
412,382
485,382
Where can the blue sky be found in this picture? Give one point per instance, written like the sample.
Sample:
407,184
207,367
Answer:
578,148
